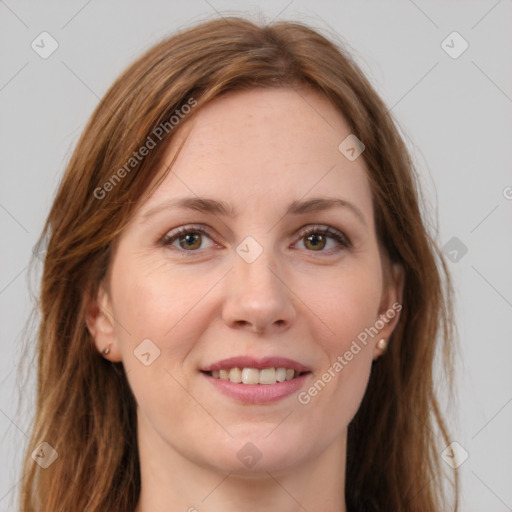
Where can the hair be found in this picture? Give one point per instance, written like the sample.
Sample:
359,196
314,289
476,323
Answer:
85,408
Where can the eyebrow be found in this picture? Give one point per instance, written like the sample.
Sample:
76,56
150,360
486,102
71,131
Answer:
298,207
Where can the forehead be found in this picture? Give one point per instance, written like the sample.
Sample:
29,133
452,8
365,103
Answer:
264,146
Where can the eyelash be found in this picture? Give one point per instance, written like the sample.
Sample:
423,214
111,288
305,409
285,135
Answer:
341,238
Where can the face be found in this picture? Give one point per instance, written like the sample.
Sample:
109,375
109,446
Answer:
278,266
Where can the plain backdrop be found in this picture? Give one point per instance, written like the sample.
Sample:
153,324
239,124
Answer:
455,112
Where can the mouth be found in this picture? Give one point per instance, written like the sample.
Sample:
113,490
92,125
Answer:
257,381
252,376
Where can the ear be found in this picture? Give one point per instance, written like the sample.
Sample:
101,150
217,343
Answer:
390,307
101,325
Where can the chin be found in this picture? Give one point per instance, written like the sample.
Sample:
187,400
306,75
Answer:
259,451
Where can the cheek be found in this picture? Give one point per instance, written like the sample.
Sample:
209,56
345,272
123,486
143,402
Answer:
157,303
350,305
154,300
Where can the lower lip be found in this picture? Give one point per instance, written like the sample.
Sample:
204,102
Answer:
258,393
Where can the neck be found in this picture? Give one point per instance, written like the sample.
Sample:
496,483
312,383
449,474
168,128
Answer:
170,481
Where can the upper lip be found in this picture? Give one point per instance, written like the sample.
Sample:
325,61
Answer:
258,363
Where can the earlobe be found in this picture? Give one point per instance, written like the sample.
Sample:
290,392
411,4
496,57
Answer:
100,324
389,311
393,293
382,344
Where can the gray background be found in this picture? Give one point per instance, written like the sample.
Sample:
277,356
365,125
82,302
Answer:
455,115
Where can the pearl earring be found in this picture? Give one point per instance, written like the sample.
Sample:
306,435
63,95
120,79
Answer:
107,350
382,343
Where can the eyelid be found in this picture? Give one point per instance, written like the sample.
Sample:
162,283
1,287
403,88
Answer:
329,231
181,230
341,238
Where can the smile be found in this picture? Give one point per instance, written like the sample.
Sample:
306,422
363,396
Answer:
265,376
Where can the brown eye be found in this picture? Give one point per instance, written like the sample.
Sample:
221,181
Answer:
315,242
190,241
319,238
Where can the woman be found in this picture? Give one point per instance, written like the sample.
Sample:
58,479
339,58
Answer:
240,302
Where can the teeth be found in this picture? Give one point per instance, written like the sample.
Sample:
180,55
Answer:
235,375
255,376
268,376
281,374
250,376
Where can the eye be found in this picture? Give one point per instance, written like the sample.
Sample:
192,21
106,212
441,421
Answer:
317,238
188,238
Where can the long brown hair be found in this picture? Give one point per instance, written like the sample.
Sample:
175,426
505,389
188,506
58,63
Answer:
85,409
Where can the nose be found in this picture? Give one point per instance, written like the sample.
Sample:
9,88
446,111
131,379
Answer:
258,297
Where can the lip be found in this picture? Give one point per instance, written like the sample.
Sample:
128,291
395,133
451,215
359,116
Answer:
257,393
259,364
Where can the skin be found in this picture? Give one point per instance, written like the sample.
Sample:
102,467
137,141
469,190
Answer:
257,150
